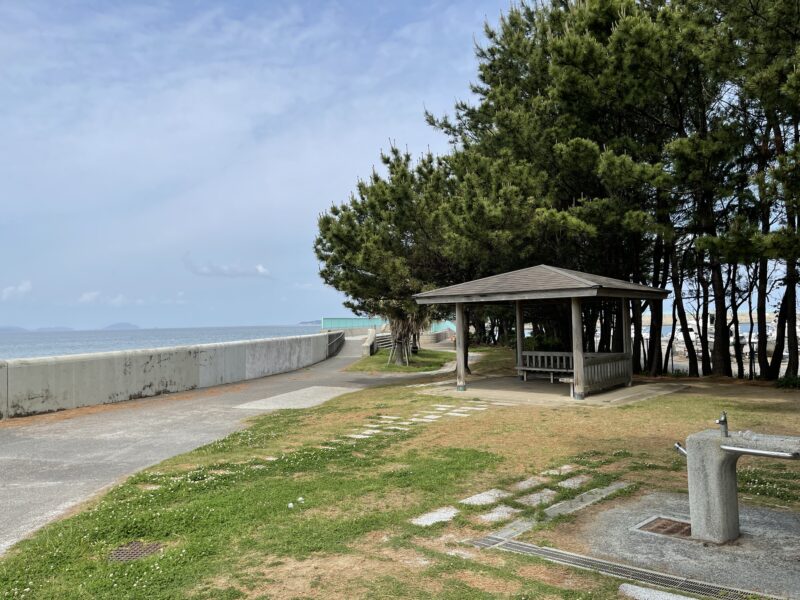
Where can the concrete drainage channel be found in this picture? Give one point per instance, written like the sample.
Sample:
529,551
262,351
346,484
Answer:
663,580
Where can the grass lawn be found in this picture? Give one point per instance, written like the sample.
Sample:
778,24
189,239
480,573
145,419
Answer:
222,513
424,360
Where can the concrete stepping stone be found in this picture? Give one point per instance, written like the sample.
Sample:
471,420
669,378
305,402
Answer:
325,447
370,431
573,483
457,414
562,470
515,528
432,417
390,418
499,513
530,482
486,498
583,500
358,436
636,592
440,515
537,498
399,428
474,408
403,422
418,420
444,405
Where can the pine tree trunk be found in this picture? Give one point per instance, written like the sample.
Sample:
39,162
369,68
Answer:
737,346
638,341
722,342
780,339
677,285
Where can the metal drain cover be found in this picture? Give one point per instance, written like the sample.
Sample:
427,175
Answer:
133,551
671,527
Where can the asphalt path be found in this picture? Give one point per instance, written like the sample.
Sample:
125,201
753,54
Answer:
51,463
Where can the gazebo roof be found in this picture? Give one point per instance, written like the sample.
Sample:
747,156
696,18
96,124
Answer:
538,283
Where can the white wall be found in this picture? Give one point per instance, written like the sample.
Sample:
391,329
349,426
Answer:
39,385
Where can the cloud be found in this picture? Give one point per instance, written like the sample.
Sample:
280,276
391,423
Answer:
16,291
89,297
210,269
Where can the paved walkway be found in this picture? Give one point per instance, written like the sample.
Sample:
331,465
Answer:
50,463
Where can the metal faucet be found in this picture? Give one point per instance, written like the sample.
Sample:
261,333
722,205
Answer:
723,424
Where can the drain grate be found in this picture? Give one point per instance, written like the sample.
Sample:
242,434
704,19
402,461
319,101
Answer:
617,570
664,526
133,551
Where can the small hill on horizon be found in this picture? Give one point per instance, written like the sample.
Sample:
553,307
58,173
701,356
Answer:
120,327
317,322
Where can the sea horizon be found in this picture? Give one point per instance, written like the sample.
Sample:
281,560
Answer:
55,342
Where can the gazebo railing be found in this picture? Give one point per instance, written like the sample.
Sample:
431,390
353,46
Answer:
602,370
546,361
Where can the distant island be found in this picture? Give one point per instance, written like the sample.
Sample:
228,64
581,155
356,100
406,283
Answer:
121,327
317,322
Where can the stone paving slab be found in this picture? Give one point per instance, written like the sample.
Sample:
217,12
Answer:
515,528
390,418
358,436
440,515
583,500
537,498
562,470
573,483
531,482
302,398
499,513
456,414
432,417
635,592
486,498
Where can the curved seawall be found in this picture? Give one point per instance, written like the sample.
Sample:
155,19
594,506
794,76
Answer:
31,386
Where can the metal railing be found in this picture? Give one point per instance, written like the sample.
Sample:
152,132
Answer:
335,342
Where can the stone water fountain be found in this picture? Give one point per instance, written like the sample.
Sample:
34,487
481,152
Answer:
712,456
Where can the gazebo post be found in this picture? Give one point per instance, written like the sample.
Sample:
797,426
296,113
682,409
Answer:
577,350
626,338
461,379
520,335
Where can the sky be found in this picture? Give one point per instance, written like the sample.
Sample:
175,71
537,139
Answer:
164,163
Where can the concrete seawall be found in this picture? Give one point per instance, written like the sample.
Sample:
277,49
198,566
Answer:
31,386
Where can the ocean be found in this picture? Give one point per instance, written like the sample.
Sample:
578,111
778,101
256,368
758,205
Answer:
28,344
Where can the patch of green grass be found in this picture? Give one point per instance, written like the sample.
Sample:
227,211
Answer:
769,482
209,516
424,360
792,382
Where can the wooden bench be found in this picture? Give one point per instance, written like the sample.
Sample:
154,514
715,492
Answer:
545,362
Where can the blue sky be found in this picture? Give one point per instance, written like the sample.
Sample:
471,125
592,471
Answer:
165,163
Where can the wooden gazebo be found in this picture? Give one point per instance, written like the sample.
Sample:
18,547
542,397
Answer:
588,372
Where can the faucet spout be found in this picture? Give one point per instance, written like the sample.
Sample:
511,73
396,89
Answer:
723,424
